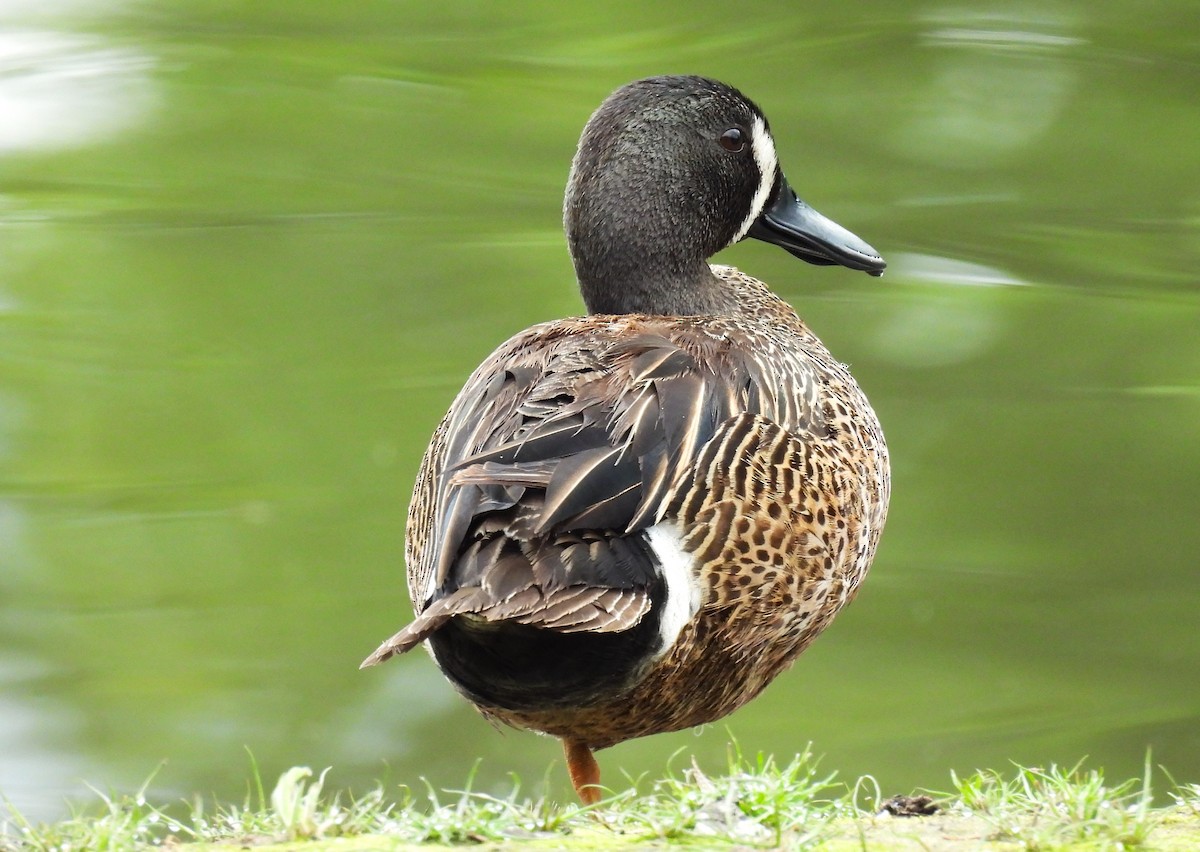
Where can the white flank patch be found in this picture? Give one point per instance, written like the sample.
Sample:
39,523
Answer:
683,593
763,147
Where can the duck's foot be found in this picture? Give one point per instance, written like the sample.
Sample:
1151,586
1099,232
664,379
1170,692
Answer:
584,771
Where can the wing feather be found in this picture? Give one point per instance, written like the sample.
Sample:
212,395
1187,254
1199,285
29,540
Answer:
560,451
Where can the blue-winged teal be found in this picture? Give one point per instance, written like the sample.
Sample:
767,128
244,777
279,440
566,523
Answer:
630,522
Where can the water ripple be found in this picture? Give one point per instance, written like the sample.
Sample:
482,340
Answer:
60,90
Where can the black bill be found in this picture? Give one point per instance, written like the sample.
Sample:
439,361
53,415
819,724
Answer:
791,224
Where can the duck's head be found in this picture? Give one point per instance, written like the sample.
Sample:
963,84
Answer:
669,171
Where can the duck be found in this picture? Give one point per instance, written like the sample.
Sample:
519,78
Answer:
631,521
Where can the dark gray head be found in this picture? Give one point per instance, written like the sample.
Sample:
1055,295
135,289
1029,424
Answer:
669,171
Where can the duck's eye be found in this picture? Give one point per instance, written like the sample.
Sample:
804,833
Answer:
733,140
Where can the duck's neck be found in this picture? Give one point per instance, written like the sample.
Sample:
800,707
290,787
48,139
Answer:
637,248
657,289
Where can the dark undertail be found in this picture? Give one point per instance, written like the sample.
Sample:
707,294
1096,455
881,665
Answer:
517,667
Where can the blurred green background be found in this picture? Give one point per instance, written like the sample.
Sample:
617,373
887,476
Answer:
250,251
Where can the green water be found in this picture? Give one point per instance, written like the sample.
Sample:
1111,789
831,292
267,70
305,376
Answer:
249,252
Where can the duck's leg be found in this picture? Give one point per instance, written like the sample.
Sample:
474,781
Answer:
584,771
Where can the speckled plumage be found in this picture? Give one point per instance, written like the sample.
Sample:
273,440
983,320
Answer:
535,535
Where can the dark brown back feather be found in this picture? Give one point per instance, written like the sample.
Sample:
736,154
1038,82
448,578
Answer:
560,448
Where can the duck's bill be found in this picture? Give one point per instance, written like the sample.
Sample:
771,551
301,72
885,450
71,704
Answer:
791,224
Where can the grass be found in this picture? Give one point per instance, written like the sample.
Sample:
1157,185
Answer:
756,803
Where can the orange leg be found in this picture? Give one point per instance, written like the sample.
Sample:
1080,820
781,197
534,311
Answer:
585,772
